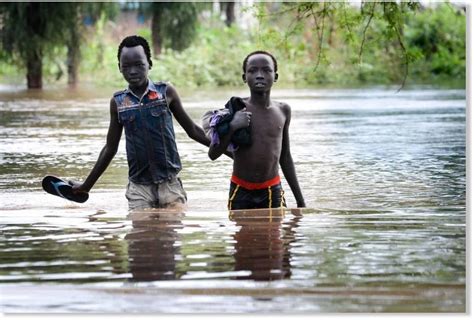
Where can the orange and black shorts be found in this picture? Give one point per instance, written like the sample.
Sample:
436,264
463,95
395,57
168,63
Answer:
250,195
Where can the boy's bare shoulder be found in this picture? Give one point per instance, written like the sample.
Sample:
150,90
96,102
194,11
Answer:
283,106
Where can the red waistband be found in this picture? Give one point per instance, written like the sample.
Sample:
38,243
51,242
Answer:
255,185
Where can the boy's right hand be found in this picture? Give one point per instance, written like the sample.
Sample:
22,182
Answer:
241,119
77,187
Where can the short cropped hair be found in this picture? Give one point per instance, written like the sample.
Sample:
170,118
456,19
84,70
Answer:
244,64
133,41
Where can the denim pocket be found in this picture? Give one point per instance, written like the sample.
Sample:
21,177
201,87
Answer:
157,111
157,116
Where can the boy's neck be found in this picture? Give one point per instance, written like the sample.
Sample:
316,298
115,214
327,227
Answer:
139,91
261,99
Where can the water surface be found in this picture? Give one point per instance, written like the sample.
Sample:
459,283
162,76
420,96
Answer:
383,175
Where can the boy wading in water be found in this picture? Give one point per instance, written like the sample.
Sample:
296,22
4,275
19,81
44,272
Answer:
145,109
255,181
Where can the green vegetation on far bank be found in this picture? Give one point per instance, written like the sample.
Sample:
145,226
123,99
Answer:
434,39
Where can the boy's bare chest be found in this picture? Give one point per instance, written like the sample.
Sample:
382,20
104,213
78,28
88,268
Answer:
267,123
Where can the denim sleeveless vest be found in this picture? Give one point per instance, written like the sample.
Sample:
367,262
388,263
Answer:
150,139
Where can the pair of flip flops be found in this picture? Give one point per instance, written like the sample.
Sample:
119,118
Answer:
61,188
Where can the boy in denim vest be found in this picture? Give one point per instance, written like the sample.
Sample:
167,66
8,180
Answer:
255,181
145,109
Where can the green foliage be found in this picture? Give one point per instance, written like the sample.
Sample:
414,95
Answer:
99,10
36,27
30,31
213,61
378,42
99,58
316,44
438,34
176,23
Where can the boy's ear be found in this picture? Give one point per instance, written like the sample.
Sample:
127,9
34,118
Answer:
276,77
244,78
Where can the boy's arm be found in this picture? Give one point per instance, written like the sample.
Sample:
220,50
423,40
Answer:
106,155
286,161
240,120
216,150
193,131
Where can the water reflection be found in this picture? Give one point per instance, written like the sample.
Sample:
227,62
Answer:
152,244
261,251
262,244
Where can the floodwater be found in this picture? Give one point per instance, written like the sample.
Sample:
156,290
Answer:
383,175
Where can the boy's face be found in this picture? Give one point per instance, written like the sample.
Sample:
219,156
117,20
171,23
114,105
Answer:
260,74
134,66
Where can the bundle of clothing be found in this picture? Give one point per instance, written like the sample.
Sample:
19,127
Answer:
216,123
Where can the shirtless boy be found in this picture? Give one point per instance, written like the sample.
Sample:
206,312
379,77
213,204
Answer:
255,181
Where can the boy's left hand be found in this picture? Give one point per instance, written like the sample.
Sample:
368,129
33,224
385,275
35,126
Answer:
241,119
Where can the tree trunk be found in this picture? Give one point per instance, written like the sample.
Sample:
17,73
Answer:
34,54
230,13
74,54
155,34
331,31
34,70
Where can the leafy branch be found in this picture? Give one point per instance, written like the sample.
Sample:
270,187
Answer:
364,33
301,14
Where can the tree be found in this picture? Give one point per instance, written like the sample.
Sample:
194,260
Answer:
74,40
73,45
31,31
173,25
383,21
229,8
